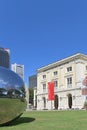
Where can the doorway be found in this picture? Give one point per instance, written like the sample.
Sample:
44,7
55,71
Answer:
70,101
56,102
44,102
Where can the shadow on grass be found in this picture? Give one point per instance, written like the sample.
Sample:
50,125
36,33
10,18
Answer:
18,121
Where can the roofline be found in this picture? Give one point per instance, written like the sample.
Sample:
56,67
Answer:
60,62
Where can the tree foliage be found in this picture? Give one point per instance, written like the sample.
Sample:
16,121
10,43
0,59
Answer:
31,95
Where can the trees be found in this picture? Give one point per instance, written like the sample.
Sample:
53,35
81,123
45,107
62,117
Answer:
31,95
85,105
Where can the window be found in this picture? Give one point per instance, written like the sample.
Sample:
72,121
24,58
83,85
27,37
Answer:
69,82
55,73
86,67
44,76
56,85
44,87
69,69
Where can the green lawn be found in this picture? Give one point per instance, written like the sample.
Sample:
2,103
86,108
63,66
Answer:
50,120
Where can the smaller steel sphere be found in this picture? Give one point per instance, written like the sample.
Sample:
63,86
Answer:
12,96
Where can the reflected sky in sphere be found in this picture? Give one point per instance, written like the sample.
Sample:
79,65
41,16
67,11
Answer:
8,79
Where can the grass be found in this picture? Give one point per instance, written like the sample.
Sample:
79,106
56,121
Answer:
50,120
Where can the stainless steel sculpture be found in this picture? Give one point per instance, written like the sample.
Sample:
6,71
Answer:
12,96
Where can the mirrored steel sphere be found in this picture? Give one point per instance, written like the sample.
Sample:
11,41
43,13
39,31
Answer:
12,96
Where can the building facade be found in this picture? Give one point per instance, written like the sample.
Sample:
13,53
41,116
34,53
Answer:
5,57
19,69
68,75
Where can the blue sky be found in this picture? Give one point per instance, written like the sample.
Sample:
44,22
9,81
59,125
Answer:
39,32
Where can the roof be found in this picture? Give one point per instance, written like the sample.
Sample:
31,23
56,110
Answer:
63,61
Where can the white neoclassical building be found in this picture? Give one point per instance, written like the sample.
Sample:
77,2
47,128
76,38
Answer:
68,75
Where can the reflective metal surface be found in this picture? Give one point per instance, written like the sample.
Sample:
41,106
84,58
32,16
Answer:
12,96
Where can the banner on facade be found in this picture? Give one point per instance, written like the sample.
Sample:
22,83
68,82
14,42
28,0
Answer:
51,95
84,91
84,82
84,88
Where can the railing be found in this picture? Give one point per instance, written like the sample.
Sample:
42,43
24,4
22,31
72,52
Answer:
69,85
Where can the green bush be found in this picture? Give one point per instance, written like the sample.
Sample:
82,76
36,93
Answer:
85,105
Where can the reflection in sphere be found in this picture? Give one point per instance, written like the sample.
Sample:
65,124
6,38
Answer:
12,96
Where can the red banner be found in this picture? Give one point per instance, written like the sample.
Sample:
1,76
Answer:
85,81
51,91
84,91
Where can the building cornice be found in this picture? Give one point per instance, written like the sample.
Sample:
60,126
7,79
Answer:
61,90
62,62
